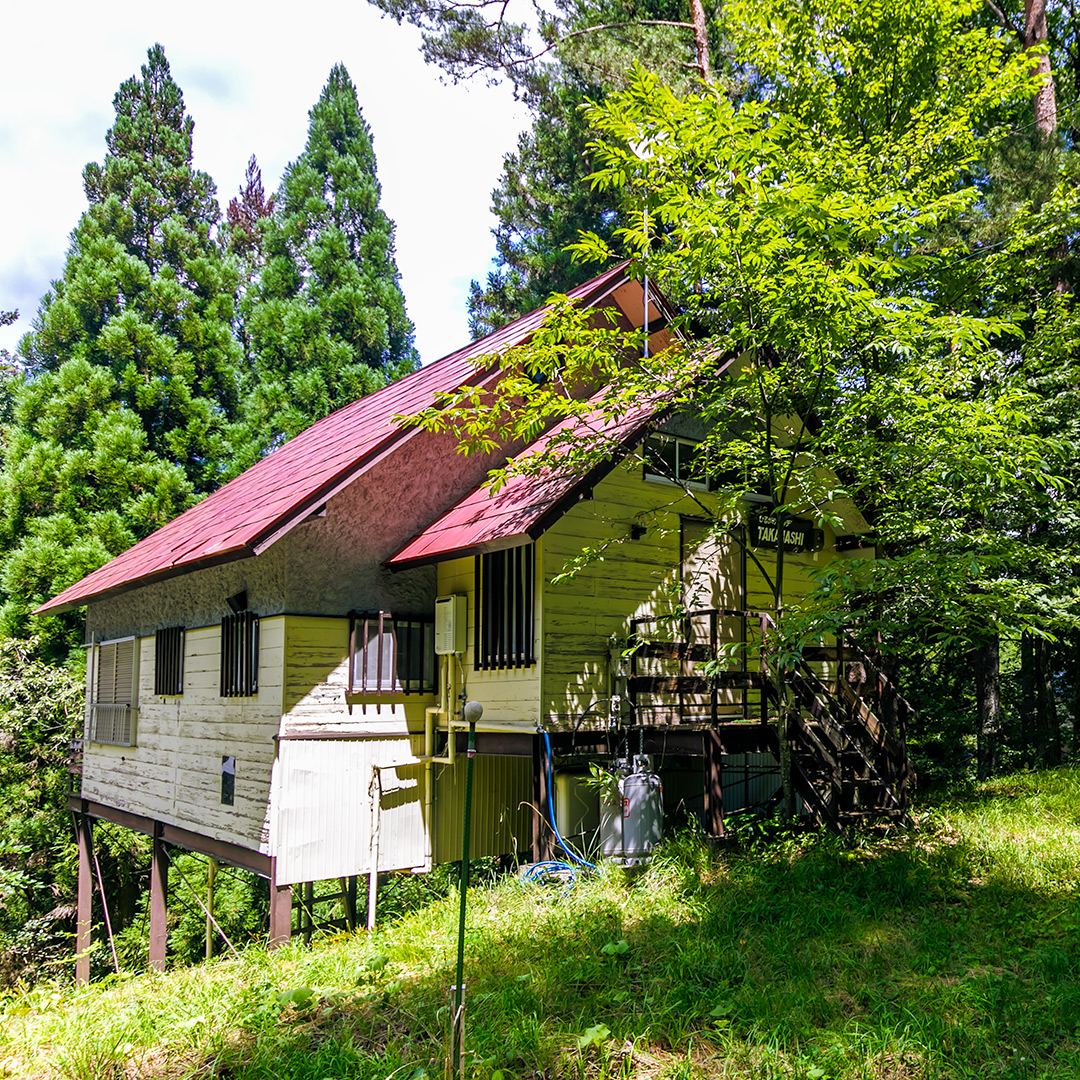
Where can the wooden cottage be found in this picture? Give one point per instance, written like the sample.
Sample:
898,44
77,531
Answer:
275,678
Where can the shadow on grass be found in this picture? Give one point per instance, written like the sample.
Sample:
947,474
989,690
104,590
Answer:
811,960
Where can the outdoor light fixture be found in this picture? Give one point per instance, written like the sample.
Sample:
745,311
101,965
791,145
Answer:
238,602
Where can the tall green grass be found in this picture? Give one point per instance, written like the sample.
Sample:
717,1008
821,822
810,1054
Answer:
949,951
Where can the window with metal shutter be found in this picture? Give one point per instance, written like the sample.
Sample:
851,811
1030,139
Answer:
504,605
240,654
111,710
391,654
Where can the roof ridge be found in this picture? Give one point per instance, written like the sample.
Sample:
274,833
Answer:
254,509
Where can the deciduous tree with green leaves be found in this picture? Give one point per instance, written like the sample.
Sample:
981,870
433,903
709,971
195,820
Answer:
804,232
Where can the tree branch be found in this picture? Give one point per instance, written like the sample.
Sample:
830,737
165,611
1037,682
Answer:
1006,22
594,29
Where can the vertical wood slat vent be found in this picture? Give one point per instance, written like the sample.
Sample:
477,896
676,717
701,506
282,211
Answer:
240,654
504,591
169,661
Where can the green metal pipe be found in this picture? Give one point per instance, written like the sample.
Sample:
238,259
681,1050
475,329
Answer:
464,881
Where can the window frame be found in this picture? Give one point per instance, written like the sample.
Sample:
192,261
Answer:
112,722
653,476
420,673
169,661
239,654
504,630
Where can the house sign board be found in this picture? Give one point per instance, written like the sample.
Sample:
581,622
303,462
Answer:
799,534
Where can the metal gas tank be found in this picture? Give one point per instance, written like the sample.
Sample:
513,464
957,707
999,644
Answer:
632,826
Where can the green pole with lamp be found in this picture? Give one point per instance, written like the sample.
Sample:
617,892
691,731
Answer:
472,712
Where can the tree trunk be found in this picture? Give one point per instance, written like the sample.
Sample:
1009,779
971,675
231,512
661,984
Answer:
1044,103
988,697
1029,728
1074,642
1046,703
701,39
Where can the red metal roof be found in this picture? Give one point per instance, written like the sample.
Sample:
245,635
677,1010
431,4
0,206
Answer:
526,505
250,513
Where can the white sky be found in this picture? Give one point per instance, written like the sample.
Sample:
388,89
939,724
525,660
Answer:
249,74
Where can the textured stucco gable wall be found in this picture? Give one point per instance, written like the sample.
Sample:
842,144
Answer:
328,565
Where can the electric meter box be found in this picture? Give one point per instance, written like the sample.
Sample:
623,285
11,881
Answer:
451,625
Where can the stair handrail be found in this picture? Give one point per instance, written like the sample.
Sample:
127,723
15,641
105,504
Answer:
813,684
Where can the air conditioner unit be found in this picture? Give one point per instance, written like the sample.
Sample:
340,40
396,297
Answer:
451,624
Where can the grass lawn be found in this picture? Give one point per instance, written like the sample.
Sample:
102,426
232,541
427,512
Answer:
952,950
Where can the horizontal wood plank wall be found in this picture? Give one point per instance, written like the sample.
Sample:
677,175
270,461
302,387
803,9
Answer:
634,579
173,773
316,697
510,696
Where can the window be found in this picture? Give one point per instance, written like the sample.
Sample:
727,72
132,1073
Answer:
240,654
169,661
112,714
678,461
504,603
391,654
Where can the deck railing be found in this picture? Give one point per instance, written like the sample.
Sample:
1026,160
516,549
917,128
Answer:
676,674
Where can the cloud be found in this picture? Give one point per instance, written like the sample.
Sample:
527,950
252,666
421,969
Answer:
215,83
249,86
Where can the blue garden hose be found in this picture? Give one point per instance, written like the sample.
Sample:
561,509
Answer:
551,811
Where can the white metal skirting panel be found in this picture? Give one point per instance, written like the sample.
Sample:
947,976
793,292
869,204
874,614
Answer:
323,814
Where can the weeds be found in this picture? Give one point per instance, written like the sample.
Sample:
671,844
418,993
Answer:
945,952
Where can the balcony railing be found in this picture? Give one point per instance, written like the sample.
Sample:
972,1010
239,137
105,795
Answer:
112,724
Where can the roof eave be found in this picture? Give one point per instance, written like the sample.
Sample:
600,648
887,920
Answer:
234,555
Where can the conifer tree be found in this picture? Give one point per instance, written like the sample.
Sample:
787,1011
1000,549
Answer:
124,411
326,319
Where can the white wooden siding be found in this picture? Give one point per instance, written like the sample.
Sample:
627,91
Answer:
173,774
316,697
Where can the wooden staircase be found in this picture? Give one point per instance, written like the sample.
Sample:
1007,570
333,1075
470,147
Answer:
846,732
848,741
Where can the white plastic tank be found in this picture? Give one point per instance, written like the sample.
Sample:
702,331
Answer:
631,825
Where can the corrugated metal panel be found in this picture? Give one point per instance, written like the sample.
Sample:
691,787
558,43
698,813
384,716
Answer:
749,780
240,518
322,820
501,824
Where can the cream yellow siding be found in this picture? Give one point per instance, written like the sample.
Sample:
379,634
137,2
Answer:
510,696
584,613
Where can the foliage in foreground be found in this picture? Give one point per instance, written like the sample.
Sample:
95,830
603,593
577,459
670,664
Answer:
951,951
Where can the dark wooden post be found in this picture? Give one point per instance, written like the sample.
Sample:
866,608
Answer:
714,783
542,844
307,910
159,902
84,832
348,899
280,909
